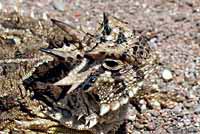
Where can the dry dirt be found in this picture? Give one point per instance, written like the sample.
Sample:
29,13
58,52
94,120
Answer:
171,106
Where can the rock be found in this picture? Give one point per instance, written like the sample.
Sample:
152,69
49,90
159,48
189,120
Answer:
138,125
131,113
197,109
155,113
178,108
151,126
153,42
59,5
156,87
167,75
180,124
1,70
1,6
143,105
179,17
191,72
155,104
136,132
17,40
187,121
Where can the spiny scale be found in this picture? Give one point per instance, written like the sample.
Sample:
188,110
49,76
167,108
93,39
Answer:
98,76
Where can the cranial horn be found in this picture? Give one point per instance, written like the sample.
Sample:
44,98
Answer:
106,28
75,35
105,18
54,52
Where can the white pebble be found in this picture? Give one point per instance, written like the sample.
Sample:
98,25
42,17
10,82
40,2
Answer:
167,74
1,6
59,5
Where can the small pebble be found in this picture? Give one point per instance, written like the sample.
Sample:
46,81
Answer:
45,16
155,104
131,113
17,40
178,108
187,121
197,109
136,132
167,75
59,5
189,104
179,17
153,43
143,106
151,126
180,124
190,73
156,87
1,6
138,126
154,113
10,42
1,70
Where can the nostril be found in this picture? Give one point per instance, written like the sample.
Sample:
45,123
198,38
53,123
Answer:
124,56
78,56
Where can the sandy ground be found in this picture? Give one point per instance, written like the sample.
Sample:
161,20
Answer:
176,24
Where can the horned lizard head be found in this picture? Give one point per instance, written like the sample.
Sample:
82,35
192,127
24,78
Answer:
92,75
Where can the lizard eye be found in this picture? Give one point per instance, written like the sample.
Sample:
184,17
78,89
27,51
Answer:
112,65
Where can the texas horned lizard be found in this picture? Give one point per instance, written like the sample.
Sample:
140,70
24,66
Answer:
92,77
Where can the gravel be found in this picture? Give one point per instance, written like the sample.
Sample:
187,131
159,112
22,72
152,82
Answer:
176,24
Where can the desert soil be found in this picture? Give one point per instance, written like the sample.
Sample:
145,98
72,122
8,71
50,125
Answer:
172,105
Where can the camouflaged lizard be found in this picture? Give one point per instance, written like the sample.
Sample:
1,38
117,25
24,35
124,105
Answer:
90,81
